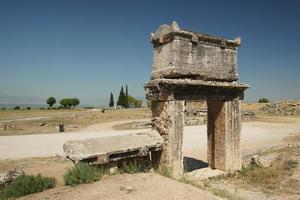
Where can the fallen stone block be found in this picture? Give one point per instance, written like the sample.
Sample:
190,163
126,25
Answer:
104,150
8,176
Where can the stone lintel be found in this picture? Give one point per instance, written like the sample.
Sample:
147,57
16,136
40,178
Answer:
188,89
114,148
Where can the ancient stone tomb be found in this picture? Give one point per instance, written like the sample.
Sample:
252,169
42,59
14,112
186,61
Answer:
187,66
190,66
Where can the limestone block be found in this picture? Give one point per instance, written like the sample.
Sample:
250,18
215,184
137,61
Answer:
105,150
179,53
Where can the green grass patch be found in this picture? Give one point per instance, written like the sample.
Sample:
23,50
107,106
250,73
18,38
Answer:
267,176
83,173
27,184
132,167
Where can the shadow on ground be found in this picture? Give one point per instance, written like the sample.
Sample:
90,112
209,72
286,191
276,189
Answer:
191,164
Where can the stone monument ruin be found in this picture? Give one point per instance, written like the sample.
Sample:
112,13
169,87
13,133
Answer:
187,66
190,66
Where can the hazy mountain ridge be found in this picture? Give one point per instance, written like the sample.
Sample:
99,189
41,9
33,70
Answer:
13,99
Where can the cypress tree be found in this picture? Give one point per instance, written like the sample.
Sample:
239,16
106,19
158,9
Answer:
126,97
121,99
111,101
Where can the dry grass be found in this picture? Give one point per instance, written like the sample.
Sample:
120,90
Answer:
281,178
74,120
255,107
16,114
263,176
48,166
276,119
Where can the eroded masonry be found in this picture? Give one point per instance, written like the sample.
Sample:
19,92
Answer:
190,66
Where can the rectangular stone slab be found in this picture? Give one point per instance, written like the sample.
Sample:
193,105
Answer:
179,53
193,90
105,150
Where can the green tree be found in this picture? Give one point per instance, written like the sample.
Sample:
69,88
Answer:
133,101
263,100
69,102
121,99
111,101
126,97
64,103
17,108
51,101
74,102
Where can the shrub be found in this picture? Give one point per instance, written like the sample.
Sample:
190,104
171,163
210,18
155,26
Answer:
290,164
89,107
263,100
132,167
27,184
3,108
28,108
17,108
82,173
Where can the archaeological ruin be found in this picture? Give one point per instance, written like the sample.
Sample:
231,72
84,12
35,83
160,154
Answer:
187,66
191,66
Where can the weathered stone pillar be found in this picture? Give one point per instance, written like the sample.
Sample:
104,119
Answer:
223,134
168,120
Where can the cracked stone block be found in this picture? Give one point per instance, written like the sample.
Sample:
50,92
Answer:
104,150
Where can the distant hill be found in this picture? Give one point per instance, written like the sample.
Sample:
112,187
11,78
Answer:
12,99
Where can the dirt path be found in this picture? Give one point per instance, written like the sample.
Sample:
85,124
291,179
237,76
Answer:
23,119
108,126
127,187
45,145
254,135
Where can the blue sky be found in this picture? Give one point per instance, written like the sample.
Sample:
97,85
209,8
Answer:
88,48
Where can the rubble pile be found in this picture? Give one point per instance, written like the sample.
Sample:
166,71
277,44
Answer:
282,108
